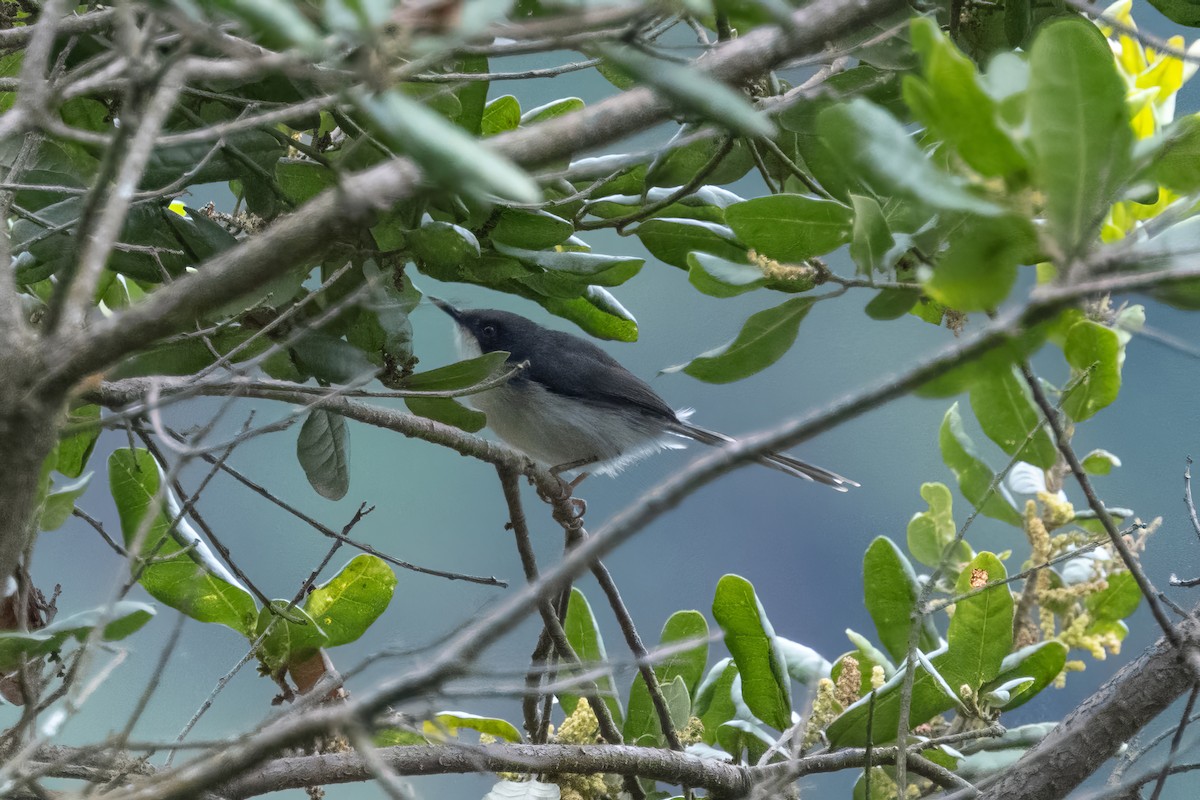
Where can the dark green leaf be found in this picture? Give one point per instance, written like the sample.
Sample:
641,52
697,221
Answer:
1095,349
1185,12
530,229
347,604
448,411
981,629
750,639
1177,162
180,576
870,143
332,359
472,95
460,375
974,477
738,735
891,592
323,449
892,304
441,248
1005,410
790,227
670,240
680,164
1078,127
763,340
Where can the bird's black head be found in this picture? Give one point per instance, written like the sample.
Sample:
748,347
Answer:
491,331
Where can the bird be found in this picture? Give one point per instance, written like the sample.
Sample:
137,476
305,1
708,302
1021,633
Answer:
573,405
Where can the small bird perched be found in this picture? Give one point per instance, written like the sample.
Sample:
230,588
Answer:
574,406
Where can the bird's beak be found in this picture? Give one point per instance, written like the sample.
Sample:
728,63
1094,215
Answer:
454,313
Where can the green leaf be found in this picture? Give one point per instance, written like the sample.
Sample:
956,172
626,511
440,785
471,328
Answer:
931,532
292,637
441,249
1042,662
682,628
121,619
790,227
871,144
303,180
448,411
1006,412
642,719
750,639
670,240
1078,128
870,237
1118,600
597,312
182,578
804,665
679,165
453,721
690,90
1184,12
762,341
868,656
929,699
445,151
1177,163
1100,462
890,592
331,359
472,95
594,267
555,108
719,277
951,102
460,375
500,115
323,449
714,702
75,450
60,502
738,735
979,268
532,229
1096,349
584,635
347,604
981,629
974,477
892,304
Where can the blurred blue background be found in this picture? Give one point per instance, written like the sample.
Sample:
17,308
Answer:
800,544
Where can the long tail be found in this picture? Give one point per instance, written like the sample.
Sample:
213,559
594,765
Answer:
779,461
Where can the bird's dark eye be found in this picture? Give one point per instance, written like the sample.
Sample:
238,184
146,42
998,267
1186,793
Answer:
489,331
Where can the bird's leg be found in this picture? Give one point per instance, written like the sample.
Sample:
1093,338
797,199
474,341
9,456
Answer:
578,504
